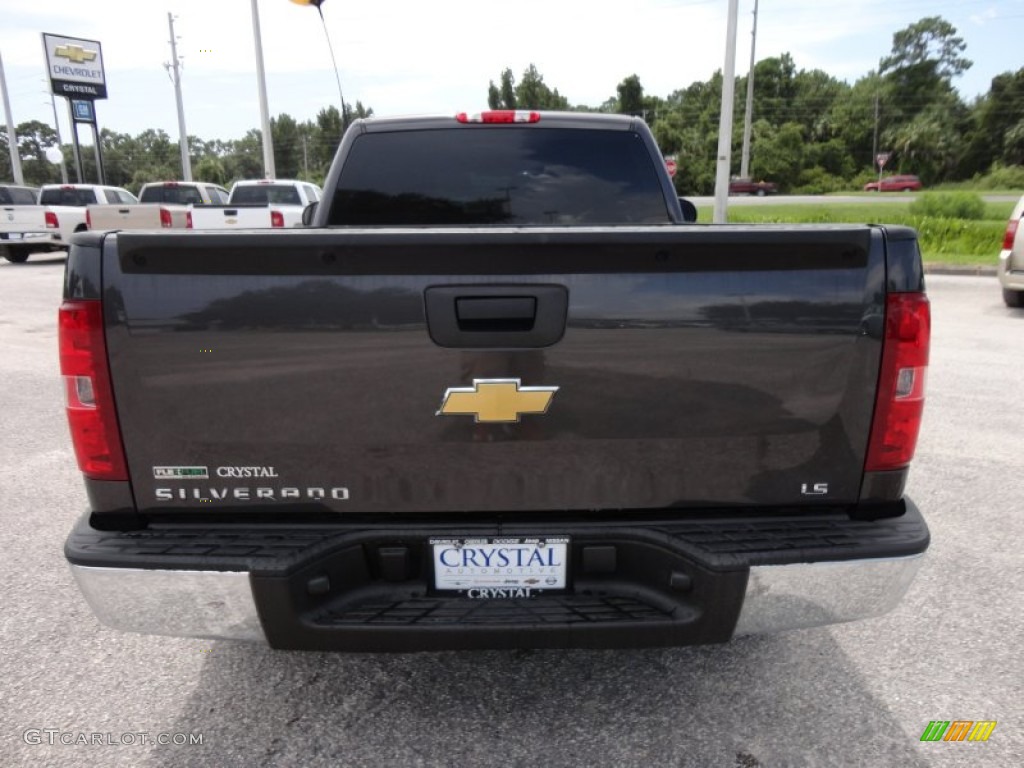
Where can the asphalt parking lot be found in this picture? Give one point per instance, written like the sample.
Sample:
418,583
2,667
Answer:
856,694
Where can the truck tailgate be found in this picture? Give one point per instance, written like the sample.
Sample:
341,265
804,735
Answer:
141,216
306,370
17,220
234,217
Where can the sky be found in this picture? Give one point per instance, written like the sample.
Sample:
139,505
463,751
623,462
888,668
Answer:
407,57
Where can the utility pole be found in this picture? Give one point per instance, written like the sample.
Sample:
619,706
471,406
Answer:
748,117
268,139
725,121
186,161
874,144
12,135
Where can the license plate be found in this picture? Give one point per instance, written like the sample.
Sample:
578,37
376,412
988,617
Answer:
13,236
500,567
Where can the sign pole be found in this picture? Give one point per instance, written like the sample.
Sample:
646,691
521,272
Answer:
99,149
723,163
60,142
12,136
881,158
74,142
268,139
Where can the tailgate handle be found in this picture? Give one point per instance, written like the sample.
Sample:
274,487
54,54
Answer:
496,313
504,316
230,211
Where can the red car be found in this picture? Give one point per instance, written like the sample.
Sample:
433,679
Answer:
894,184
751,187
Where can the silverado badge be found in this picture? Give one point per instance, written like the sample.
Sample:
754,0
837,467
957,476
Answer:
496,400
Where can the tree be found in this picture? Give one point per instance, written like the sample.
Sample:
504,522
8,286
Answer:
853,118
34,138
998,125
245,159
929,145
507,90
211,169
531,92
503,96
631,96
287,146
930,47
778,154
925,59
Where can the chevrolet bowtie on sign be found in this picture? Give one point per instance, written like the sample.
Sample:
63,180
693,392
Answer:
75,53
496,400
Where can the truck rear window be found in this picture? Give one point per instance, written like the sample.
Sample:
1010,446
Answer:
266,193
67,197
179,195
499,176
17,196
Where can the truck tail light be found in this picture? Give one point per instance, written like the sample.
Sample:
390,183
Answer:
899,401
89,398
1011,232
276,219
88,219
165,218
51,220
499,116
188,219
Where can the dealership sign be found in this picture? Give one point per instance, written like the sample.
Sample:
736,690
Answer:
75,67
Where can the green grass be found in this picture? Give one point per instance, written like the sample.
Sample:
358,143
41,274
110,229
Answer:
957,242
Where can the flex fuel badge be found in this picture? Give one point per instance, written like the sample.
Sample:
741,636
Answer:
181,473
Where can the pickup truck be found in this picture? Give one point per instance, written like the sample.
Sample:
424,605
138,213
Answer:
162,204
60,213
499,393
13,199
275,203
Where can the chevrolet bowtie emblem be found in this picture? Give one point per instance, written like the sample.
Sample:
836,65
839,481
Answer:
496,400
75,53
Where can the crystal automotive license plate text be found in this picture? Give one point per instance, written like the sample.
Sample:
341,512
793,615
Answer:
501,565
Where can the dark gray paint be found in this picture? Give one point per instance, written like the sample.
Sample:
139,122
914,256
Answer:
700,366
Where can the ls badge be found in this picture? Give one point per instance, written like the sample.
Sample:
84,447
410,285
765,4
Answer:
496,400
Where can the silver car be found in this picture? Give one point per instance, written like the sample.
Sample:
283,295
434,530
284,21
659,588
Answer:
1011,259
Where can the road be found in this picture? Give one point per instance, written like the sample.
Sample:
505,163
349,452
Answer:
856,694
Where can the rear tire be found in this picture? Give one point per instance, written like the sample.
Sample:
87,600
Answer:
16,255
1014,299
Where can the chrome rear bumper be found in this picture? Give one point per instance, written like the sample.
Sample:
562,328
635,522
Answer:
221,605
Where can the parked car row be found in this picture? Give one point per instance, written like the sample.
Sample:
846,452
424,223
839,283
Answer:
43,220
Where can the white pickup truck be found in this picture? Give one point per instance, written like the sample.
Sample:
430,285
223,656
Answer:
48,226
258,204
162,205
